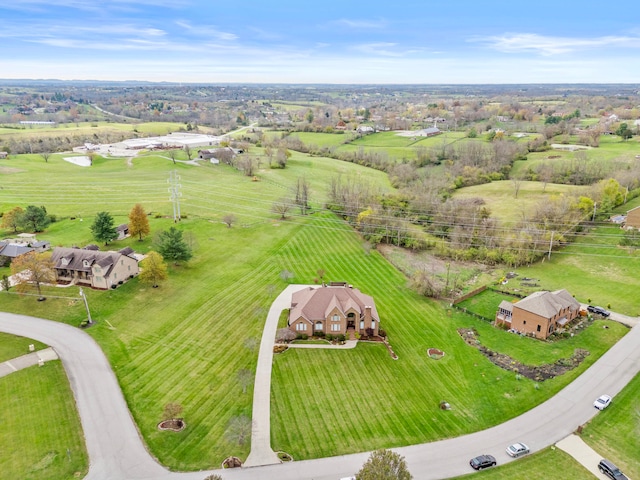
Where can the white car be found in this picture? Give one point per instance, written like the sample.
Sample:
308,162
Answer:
602,402
517,449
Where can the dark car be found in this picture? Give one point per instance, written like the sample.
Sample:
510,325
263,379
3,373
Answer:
598,311
482,461
610,470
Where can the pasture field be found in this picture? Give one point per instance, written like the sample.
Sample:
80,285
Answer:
36,132
12,346
41,436
499,197
614,432
539,466
187,341
322,139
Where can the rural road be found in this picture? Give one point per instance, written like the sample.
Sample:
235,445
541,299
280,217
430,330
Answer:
117,452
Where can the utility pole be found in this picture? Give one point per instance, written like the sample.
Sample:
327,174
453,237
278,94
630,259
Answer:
86,305
551,244
593,218
174,190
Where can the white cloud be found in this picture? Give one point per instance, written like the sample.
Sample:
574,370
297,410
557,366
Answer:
385,49
206,31
550,45
361,23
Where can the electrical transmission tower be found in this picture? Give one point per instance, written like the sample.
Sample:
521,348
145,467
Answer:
174,190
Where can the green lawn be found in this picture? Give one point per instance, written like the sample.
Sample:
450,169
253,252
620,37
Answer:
500,197
486,303
615,432
12,346
41,436
549,463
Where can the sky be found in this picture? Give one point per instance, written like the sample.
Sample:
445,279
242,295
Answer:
336,42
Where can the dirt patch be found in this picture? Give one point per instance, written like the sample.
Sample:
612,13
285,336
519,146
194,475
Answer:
537,373
8,170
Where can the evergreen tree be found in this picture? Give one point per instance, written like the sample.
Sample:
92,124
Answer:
154,270
34,219
138,222
172,246
103,229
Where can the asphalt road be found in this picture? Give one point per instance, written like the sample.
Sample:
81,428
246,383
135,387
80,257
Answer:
117,452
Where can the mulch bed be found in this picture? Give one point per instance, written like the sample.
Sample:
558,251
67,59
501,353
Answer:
537,373
435,353
175,425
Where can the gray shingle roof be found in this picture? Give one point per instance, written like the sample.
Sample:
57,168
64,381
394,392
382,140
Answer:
548,304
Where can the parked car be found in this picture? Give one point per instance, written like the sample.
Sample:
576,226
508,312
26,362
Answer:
517,450
610,470
598,311
482,461
602,402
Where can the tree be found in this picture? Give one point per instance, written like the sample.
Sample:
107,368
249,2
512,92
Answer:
624,131
32,268
138,222
384,465
172,155
286,275
245,378
13,219
238,430
302,195
190,153
309,116
46,156
517,183
229,219
154,270
171,246
5,284
282,207
285,335
34,219
213,476
103,228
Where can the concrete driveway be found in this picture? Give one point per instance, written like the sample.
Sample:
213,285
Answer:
117,452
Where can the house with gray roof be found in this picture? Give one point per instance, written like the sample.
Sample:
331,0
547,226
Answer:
94,268
539,314
333,309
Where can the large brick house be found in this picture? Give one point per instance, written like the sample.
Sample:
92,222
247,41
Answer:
539,314
94,268
333,309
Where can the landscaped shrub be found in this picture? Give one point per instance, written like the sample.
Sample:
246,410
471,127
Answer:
319,334
329,337
382,333
341,337
302,336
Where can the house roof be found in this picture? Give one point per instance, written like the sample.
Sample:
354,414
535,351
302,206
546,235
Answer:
12,250
315,303
548,304
126,251
504,305
122,227
82,260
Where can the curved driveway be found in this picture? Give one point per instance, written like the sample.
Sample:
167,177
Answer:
117,452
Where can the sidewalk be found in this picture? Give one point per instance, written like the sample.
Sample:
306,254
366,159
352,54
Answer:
26,361
346,346
583,453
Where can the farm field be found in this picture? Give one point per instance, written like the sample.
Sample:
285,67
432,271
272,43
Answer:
535,467
41,435
614,432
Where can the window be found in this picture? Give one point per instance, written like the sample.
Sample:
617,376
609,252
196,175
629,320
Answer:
318,325
301,327
524,322
335,327
538,329
373,323
361,324
336,318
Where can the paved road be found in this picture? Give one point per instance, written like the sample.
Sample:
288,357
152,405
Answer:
116,451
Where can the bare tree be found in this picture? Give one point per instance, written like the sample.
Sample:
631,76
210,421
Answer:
302,194
282,207
190,153
517,184
285,335
286,275
172,155
46,156
247,164
171,411
229,219
245,378
239,430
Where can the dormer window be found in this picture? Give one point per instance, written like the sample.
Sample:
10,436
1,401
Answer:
86,263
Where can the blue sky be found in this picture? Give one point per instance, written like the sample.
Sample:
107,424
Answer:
561,41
